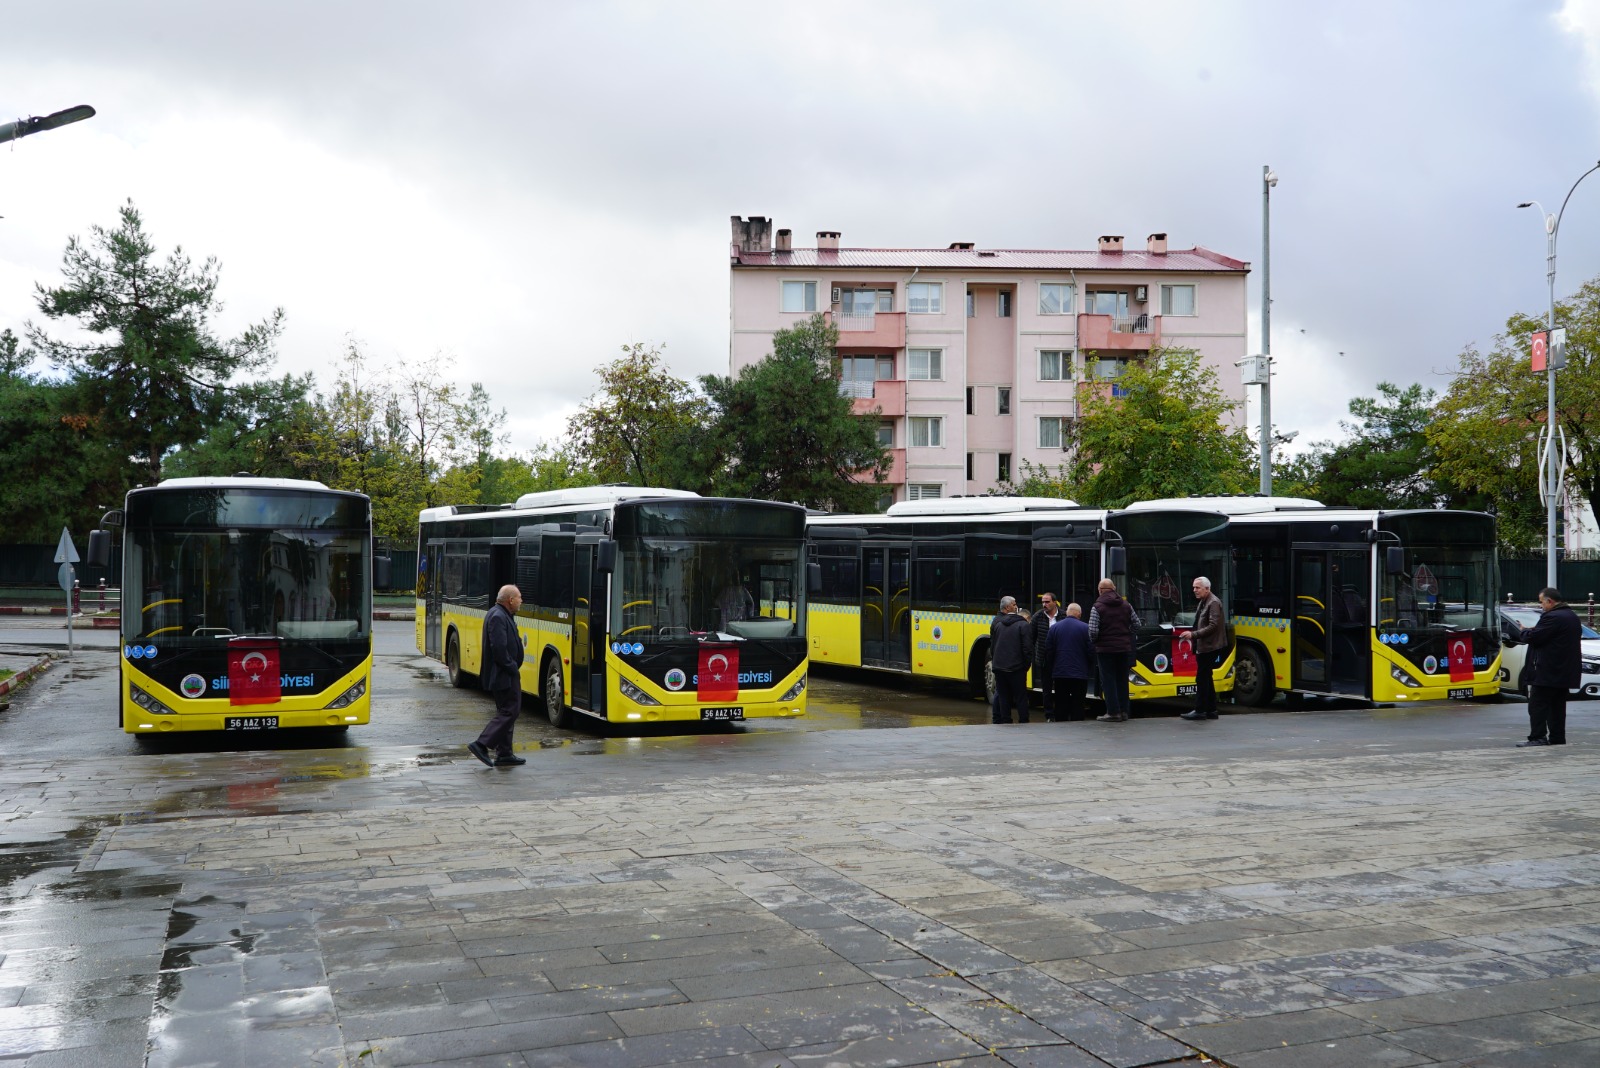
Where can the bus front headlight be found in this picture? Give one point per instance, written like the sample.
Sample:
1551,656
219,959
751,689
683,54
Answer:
634,694
344,699
1402,676
794,691
146,702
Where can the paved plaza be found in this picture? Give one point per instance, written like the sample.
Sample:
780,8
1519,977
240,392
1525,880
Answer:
1333,888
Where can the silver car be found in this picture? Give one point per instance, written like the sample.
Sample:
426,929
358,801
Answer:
1514,655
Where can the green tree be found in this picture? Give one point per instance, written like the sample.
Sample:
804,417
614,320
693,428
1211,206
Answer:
269,430
782,430
1386,460
637,427
152,376
1164,437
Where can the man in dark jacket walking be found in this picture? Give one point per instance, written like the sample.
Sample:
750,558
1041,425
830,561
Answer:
1010,651
1210,637
502,676
1556,646
1071,656
1113,625
1040,625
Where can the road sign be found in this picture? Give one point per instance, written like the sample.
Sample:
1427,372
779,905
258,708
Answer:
1558,348
65,552
1540,349
64,577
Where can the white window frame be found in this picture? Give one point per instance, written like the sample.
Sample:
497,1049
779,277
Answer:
1060,422
1194,298
1002,400
932,299
1002,467
1065,365
933,368
886,428
1069,292
920,491
933,430
1003,304
808,293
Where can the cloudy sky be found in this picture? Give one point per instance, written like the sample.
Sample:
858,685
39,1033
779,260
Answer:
526,187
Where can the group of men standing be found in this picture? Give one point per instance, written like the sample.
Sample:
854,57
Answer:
1064,650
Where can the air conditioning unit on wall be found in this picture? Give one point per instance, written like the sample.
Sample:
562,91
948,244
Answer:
1141,294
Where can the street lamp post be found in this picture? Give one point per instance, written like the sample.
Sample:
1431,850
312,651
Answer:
1550,475
10,131
1268,180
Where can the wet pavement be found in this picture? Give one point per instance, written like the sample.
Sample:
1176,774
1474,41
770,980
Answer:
1340,887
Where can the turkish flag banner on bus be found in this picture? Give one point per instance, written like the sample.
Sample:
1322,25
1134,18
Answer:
719,672
1460,658
254,676
1184,665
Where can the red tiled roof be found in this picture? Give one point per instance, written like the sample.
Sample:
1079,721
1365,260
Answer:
1191,259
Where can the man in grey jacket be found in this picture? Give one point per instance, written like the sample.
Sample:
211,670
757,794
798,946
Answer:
1210,637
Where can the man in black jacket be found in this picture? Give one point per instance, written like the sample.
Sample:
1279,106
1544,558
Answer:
1555,645
502,676
1040,626
1010,651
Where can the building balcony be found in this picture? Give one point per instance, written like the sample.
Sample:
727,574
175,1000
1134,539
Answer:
1099,388
873,330
1109,332
897,470
886,395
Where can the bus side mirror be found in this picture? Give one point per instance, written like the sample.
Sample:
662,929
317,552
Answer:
813,578
382,572
605,556
1117,560
1394,560
99,548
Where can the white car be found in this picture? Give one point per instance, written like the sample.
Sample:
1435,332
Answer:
1514,655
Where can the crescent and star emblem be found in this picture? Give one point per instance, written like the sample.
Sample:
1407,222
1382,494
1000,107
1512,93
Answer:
245,664
712,664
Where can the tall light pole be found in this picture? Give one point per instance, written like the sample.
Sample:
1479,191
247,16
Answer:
10,131
1551,475
1268,180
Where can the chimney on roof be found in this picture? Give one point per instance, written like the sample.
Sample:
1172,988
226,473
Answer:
1111,243
828,239
966,246
1158,244
754,235
782,243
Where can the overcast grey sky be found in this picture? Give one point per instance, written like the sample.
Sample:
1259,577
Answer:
529,186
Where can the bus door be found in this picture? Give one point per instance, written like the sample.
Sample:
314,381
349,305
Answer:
886,606
1069,574
1330,648
589,628
433,607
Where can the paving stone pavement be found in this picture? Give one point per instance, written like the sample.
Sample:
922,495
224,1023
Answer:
1058,910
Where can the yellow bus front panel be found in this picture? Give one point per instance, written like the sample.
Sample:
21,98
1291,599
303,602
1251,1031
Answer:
148,707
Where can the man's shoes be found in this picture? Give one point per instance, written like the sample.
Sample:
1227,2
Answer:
1111,718
509,760
1197,714
1531,742
481,751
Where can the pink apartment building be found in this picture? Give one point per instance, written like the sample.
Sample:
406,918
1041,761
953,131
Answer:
975,359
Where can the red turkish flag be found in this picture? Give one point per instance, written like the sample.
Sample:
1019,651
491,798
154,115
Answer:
1460,658
1184,664
719,672
1541,349
253,672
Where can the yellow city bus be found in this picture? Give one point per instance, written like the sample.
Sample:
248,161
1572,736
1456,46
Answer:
1391,607
638,604
913,591
246,605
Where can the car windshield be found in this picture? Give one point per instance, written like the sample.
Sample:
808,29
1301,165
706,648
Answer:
1528,617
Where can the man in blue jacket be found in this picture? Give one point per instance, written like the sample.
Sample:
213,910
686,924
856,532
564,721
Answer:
502,677
1555,645
1071,657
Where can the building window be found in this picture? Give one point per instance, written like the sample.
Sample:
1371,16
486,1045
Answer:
1108,302
799,296
1003,473
1177,300
886,434
925,365
1055,298
1052,432
969,467
925,431
969,400
865,302
1002,400
925,298
972,305
858,373
923,491
1055,365
1004,303
1109,369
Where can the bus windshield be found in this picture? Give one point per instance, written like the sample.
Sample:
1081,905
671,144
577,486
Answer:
1444,587
670,588
1160,578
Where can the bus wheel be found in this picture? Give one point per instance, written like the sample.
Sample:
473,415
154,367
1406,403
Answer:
555,708
452,663
1253,683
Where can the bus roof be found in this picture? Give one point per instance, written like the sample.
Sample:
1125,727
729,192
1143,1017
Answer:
1248,504
240,482
595,495
979,506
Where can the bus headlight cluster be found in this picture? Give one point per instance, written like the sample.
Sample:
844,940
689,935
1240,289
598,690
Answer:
794,691
634,694
146,702
344,699
1402,676
1137,679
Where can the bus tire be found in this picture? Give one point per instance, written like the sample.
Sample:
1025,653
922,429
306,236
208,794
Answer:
980,675
1253,682
452,662
555,705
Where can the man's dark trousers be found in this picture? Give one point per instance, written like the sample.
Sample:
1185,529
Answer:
1205,685
507,705
1011,691
1547,714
